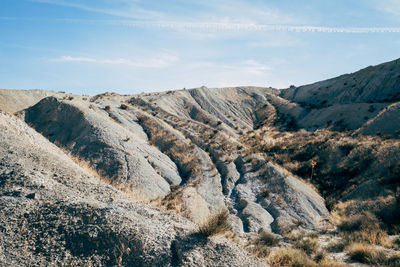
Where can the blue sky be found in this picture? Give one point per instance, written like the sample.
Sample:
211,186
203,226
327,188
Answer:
133,46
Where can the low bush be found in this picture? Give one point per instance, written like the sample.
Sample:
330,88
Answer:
123,106
308,245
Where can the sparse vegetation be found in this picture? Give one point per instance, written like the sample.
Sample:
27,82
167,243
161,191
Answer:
184,156
364,228
261,246
291,257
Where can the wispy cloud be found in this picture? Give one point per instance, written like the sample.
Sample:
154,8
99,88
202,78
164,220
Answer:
216,15
258,27
125,11
219,26
388,6
161,61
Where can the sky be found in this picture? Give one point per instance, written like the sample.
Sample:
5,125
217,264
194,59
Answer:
134,46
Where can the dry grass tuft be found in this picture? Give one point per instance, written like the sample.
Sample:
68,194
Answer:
290,257
365,253
332,263
215,224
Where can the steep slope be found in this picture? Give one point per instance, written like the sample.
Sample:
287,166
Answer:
374,84
349,101
53,212
385,123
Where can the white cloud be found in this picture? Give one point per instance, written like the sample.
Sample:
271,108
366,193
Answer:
161,61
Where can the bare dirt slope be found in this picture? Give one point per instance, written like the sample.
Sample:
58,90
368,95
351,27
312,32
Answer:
148,145
53,212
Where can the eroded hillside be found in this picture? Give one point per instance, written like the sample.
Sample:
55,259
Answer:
293,168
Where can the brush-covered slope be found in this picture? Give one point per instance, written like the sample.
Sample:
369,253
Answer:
54,212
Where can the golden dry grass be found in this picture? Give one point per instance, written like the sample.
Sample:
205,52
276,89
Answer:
290,257
364,227
215,224
365,253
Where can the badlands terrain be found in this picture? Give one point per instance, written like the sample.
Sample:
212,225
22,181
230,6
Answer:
244,176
